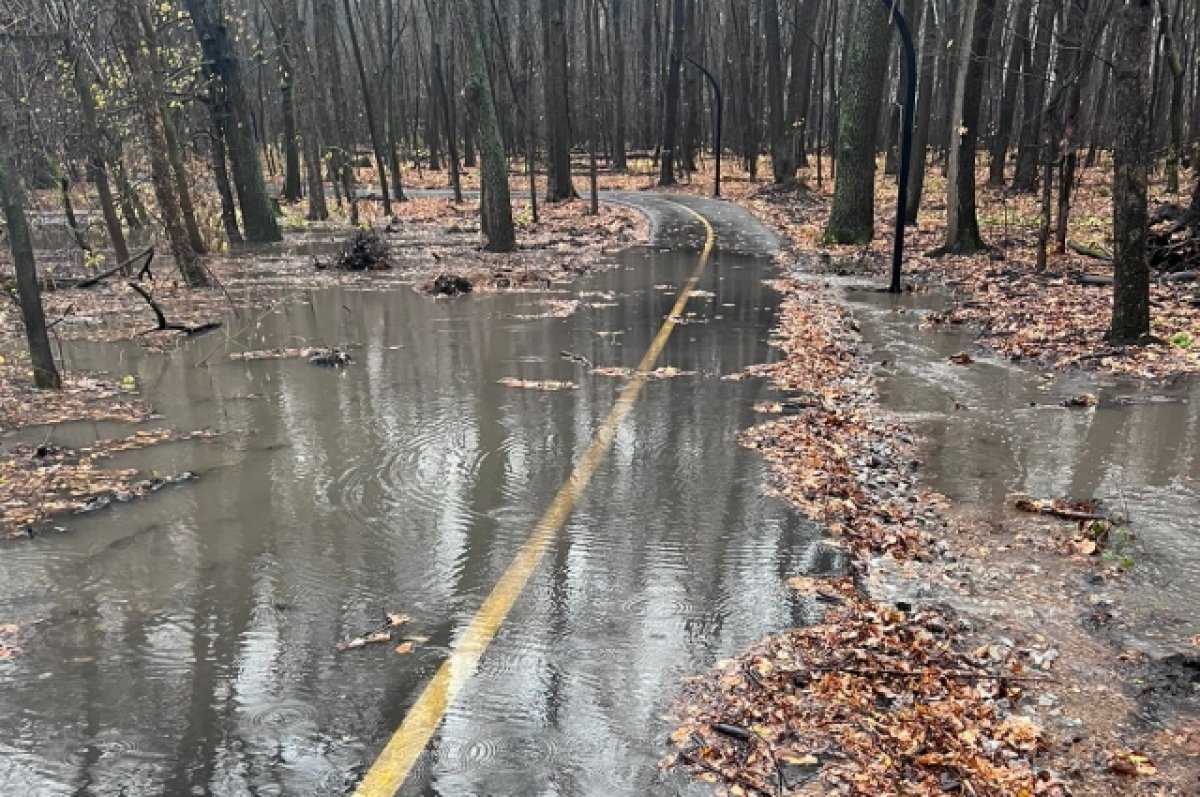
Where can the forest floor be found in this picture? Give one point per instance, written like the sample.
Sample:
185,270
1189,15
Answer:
964,656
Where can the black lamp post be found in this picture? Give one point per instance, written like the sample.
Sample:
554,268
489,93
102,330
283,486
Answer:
906,128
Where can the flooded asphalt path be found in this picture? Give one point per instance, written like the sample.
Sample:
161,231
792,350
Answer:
184,644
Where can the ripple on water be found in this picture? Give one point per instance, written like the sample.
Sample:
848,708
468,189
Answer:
281,717
407,478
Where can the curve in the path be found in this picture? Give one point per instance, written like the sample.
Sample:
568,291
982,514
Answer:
672,226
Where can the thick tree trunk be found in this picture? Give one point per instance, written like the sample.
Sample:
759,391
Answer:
962,225
153,125
670,129
1033,90
1131,271
495,204
1018,54
852,219
558,114
41,357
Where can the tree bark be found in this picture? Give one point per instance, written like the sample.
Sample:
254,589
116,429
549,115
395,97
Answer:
1033,89
216,141
377,145
962,224
45,373
783,164
618,68
1018,55
930,52
97,158
852,219
231,107
495,205
670,129
1178,77
1131,271
339,121
558,114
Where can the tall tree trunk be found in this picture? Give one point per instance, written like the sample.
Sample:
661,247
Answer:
340,121
369,108
962,224
616,32
221,177
153,125
1018,54
930,52
97,159
558,115
1131,271
1178,77
800,78
292,178
670,129
852,218
45,373
1033,90
783,165
495,205
1076,65
232,109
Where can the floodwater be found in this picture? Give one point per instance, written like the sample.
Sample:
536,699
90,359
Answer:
184,643
992,429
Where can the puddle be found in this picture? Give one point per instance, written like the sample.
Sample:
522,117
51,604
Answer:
994,428
185,643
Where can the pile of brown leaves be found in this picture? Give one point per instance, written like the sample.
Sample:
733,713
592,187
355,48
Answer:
835,459
872,701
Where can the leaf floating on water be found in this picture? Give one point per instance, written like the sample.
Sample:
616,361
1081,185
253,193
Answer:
404,648
537,384
395,620
373,638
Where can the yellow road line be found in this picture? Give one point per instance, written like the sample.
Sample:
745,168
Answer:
394,763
